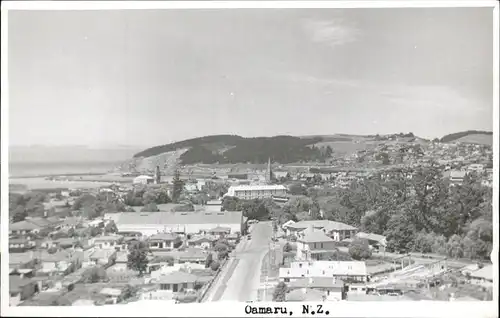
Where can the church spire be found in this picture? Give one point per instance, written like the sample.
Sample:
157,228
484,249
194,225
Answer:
269,172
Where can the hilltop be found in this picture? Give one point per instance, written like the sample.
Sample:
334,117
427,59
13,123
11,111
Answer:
471,137
229,149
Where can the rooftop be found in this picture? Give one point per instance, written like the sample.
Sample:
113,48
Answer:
486,272
256,187
307,295
180,218
322,224
178,277
371,236
164,237
314,237
317,282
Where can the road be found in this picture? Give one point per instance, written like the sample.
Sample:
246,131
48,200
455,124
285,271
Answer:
240,278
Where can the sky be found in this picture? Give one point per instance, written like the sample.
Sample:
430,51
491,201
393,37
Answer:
146,78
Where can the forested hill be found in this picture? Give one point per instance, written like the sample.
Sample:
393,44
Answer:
237,149
470,136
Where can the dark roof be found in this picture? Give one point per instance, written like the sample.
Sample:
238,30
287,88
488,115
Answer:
16,283
164,237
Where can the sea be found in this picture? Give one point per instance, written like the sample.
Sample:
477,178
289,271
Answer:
37,169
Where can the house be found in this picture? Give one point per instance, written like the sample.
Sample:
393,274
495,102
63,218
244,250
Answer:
375,240
20,289
19,245
177,281
105,257
112,294
483,276
60,262
336,230
189,255
457,177
23,227
287,223
108,241
213,206
149,223
24,260
70,223
219,231
343,270
143,180
332,288
281,175
203,241
249,192
305,294
475,168
314,245
164,241
120,264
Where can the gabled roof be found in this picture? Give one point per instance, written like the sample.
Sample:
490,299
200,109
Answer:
307,295
322,224
219,229
371,236
24,226
486,272
178,277
102,254
107,238
164,237
314,237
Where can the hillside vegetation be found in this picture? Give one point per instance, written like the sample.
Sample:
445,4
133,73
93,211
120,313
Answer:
470,136
235,149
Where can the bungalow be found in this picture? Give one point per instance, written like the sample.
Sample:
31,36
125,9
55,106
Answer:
204,241
23,227
457,177
20,245
305,294
483,276
22,260
108,241
20,289
375,240
336,230
105,257
177,281
164,241
333,288
219,231
60,262
344,270
314,245
120,262
70,223
112,294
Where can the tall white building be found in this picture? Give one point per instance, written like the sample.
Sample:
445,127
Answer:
248,192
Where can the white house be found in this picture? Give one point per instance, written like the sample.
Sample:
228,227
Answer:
249,192
344,270
314,245
143,180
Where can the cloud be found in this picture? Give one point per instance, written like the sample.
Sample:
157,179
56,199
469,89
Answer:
332,32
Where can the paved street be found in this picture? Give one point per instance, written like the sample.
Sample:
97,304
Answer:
240,280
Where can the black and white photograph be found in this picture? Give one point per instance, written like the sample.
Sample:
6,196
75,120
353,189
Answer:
210,156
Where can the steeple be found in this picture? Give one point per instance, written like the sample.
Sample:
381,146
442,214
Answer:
269,172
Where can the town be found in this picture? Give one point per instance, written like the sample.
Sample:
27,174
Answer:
404,219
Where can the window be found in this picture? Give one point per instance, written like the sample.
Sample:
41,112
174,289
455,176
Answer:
287,280
321,245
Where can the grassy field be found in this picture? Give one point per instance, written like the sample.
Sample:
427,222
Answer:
477,139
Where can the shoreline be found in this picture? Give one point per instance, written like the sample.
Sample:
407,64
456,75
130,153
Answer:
55,175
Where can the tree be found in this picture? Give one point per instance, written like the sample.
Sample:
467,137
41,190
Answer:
423,242
297,189
209,260
94,275
111,227
215,265
400,233
287,247
279,294
129,292
178,187
454,246
19,214
137,258
359,249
